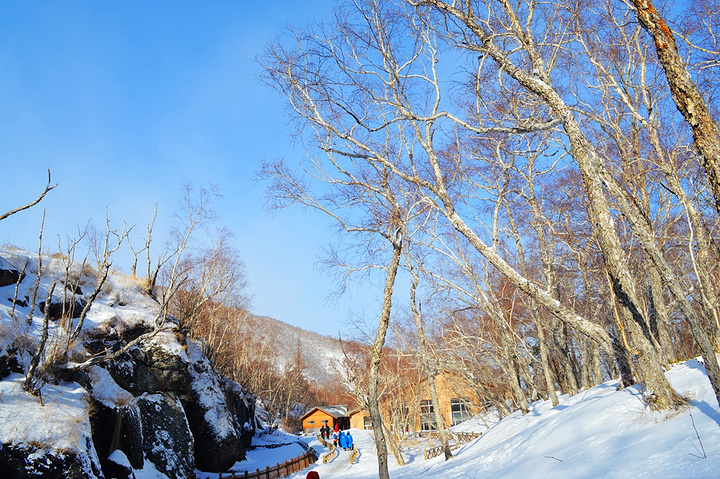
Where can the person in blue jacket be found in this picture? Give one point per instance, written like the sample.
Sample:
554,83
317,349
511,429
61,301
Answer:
349,440
342,441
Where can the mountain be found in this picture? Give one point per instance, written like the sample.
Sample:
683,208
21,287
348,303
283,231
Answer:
320,354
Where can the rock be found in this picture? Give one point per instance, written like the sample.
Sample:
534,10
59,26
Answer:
9,363
166,437
217,444
160,365
119,466
55,309
30,462
116,429
8,274
242,408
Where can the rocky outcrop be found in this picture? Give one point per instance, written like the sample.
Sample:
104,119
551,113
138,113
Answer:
166,437
218,445
161,401
8,274
211,428
20,462
242,409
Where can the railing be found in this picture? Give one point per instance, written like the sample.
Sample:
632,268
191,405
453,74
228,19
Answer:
329,456
355,454
459,439
280,470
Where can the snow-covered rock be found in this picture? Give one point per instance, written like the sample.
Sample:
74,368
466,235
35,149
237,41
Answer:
218,445
155,407
50,439
166,437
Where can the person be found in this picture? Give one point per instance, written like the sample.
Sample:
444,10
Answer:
335,439
337,427
349,440
312,475
341,440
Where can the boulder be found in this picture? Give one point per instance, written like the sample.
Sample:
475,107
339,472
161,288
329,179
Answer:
116,429
8,274
217,443
119,466
24,461
9,363
72,309
166,437
160,365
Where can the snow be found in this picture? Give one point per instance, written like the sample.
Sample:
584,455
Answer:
599,433
58,422
106,390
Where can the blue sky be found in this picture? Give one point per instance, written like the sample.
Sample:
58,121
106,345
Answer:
126,102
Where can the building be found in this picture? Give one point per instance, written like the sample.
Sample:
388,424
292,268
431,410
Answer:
321,416
359,419
410,408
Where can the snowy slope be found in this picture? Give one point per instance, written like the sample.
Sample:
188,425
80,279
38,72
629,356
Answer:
320,354
599,433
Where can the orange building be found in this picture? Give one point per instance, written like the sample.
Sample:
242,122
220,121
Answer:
318,417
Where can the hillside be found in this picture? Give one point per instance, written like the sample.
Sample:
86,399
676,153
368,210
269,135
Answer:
320,354
71,428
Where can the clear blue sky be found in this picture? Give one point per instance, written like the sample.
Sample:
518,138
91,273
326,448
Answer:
128,101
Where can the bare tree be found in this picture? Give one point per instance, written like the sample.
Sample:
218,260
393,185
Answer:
49,186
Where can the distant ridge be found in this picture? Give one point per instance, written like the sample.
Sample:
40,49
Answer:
321,354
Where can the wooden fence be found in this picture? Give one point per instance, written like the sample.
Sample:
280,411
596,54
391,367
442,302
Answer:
458,439
334,452
277,472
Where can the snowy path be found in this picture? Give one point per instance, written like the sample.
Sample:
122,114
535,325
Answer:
364,466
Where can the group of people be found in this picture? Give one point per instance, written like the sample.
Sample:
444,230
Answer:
339,438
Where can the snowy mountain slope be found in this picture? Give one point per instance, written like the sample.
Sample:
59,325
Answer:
320,354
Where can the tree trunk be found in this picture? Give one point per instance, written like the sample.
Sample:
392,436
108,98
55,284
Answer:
545,362
658,315
685,93
428,366
377,350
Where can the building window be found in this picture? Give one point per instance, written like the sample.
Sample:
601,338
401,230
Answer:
311,422
460,410
427,416
367,423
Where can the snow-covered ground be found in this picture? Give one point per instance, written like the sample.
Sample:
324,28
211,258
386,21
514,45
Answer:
599,433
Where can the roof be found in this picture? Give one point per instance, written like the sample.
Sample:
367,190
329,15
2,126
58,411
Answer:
334,411
357,410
